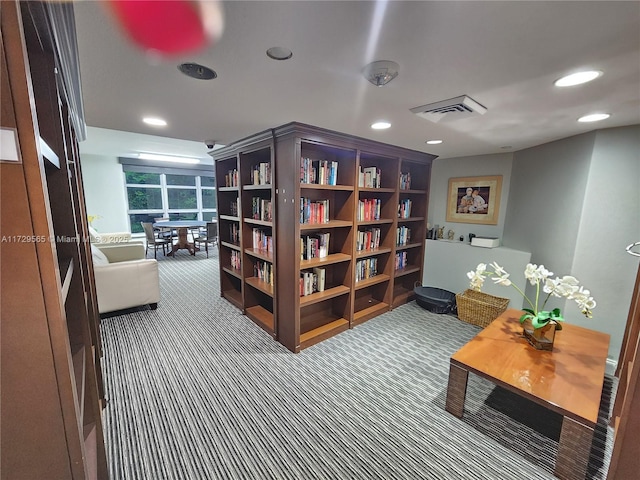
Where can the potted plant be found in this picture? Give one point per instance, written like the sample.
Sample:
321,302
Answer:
539,324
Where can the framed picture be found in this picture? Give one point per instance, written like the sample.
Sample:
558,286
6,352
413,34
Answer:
474,200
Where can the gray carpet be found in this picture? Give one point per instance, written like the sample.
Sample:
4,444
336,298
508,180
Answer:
195,390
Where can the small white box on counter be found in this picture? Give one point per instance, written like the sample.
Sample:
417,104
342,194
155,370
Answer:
486,242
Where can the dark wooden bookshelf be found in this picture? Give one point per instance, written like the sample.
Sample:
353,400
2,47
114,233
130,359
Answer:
53,392
299,321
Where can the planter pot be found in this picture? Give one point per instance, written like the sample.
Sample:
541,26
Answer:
539,338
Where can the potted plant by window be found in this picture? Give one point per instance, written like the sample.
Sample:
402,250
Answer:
539,325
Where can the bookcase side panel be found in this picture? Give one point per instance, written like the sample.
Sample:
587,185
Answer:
287,231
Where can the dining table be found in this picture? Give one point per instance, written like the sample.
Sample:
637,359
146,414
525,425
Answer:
182,227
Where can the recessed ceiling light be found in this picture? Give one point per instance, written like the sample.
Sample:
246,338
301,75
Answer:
434,142
279,53
594,117
197,71
157,122
380,125
577,78
167,158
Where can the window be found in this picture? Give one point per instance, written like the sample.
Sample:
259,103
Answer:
178,196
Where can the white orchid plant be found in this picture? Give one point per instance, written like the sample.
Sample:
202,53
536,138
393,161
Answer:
565,287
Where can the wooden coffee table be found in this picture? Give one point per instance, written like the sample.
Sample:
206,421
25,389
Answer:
567,380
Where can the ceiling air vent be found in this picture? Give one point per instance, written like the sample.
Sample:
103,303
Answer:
452,109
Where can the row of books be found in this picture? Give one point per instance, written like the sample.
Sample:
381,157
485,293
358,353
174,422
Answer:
405,181
261,209
261,173
366,268
401,260
320,172
369,209
263,271
236,260
234,232
231,178
312,282
404,208
370,177
261,240
314,246
368,239
234,207
403,235
314,211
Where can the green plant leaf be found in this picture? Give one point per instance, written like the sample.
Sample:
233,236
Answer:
537,322
525,316
557,315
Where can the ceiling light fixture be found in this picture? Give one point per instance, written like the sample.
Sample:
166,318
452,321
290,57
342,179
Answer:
434,142
279,53
156,122
167,158
594,117
381,72
577,78
380,125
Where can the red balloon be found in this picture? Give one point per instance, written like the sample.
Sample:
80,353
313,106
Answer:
167,26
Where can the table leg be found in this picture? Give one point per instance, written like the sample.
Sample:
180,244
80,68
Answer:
456,390
573,450
182,242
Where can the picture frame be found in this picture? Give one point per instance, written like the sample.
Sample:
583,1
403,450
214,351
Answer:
474,200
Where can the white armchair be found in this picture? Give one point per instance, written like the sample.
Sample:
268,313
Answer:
124,277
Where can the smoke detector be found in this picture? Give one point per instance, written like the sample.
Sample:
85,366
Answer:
381,72
452,109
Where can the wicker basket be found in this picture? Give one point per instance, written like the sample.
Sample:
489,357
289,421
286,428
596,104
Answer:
479,308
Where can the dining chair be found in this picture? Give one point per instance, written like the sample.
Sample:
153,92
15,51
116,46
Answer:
163,232
210,237
153,241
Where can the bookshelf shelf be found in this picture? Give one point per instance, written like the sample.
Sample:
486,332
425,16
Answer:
261,285
322,296
233,246
330,224
261,254
328,260
370,253
261,316
323,332
253,221
346,179
407,270
313,186
367,282
408,245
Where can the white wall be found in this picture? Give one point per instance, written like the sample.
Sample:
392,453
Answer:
580,209
104,192
548,186
481,165
610,221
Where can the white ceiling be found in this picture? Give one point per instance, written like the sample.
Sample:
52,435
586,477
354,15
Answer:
505,55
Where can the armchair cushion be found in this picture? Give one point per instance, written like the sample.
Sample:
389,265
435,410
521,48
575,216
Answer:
114,237
121,252
99,258
127,279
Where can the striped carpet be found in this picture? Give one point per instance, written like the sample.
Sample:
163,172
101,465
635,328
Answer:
195,390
